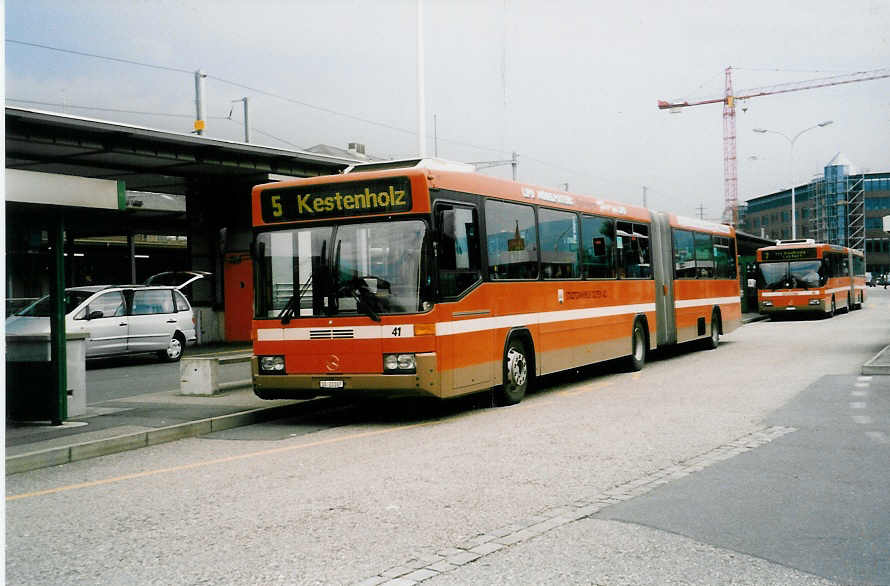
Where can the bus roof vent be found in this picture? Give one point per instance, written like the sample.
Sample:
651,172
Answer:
798,241
433,164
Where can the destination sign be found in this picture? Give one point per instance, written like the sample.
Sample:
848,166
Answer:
336,200
790,254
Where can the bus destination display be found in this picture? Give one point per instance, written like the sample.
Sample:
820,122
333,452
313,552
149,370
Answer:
336,200
790,254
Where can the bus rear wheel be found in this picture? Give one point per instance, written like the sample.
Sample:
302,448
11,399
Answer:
833,308
515,374
637,358
714,339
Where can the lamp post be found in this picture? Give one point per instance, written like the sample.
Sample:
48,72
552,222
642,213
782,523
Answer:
791,142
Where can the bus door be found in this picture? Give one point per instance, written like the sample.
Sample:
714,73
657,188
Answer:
465,354
663,272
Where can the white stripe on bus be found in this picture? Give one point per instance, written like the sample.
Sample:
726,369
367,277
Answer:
448,328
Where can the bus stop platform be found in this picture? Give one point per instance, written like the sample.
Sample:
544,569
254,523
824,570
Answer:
149,419
879,364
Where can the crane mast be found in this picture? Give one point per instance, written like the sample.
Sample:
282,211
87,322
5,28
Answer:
730,164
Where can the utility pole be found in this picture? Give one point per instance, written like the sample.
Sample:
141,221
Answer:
246,118
421,104
701,211
644,195
200,122
513,162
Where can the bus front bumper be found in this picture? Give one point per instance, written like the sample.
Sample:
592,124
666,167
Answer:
804,305
424,383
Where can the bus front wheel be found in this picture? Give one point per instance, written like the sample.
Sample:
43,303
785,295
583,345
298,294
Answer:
515,374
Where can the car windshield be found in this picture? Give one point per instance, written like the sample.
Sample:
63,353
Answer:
366,269
41,307
790,275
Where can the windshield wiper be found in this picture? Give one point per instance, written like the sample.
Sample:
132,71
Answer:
290,308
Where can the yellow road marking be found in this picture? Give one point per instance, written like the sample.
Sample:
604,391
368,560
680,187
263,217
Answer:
212,462
592,387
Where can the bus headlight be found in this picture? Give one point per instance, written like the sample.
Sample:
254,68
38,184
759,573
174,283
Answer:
767,303
271,364
815,301
399,364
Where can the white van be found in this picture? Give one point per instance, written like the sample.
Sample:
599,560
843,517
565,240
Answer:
126,319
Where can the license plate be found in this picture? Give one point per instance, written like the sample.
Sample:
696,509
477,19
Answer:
330,384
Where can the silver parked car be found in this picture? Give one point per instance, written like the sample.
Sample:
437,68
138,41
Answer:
125,319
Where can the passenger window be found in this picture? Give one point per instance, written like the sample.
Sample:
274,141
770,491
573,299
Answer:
721,258
459,255
109,304
152,301
598,250
684,255
559,244
632,243
181,303
704,256
512,241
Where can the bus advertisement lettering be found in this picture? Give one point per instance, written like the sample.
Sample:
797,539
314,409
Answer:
337,200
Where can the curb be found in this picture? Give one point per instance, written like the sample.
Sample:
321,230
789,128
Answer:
879,364
143,439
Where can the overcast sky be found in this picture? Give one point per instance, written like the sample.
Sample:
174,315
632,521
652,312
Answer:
570,85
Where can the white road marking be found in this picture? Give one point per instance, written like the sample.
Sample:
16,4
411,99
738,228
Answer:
878,436
859,394
864,378
862,385
862,419
857,405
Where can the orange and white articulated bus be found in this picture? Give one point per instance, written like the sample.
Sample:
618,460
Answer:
427,278
802,275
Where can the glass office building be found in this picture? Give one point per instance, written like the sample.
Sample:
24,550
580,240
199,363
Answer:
842,206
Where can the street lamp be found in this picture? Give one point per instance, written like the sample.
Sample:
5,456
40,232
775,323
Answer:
791,142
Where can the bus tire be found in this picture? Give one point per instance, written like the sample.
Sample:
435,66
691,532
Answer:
516,374
637,358
712,341
833,307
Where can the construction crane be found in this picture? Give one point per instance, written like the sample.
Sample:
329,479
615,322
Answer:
729,98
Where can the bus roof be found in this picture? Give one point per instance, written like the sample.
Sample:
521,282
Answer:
461,177
808,244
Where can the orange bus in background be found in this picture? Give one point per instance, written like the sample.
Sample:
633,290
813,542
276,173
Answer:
427,278
802,275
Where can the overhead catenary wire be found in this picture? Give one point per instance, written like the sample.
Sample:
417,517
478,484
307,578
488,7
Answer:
270,94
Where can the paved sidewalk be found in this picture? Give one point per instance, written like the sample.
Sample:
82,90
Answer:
149,419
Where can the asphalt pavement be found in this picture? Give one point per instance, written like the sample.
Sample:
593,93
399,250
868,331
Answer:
160,416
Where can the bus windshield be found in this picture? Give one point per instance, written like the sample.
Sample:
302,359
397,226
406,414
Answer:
804,274
355,269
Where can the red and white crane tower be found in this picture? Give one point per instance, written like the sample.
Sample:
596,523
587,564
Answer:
730,164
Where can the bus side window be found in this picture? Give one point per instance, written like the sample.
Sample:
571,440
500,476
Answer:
559,244
598,248
704,256
460,265
512,237
684,254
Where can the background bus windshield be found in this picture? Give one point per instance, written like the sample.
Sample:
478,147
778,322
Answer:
367,269
791,275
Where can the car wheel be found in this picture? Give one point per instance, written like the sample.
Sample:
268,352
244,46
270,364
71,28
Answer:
174,349
515,374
